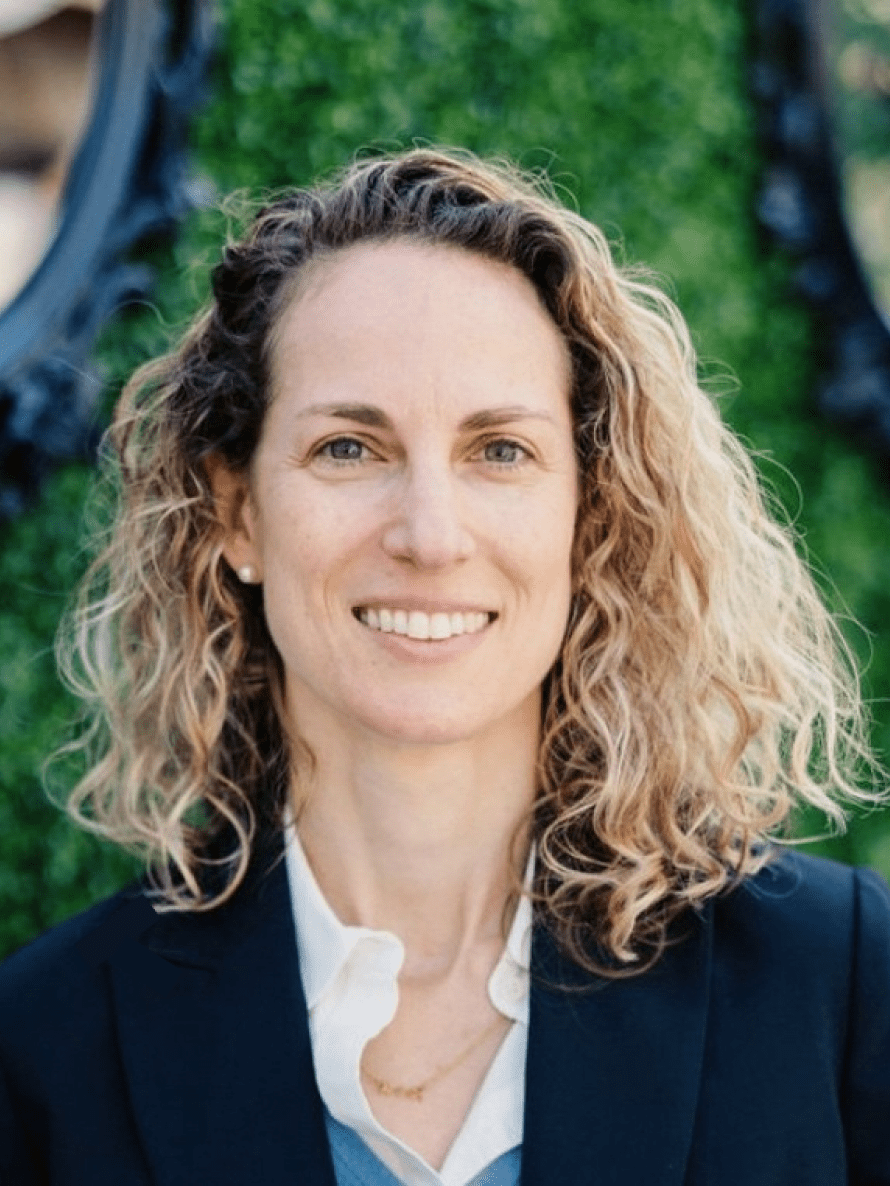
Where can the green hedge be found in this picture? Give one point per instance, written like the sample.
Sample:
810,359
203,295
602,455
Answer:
640,112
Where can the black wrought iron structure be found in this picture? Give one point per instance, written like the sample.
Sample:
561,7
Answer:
128,180
801,203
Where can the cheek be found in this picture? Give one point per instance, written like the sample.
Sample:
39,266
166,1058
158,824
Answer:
552,542
553,568
309,565
299,533
542,574
297,568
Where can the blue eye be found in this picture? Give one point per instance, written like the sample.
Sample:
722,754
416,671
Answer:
505,452
343,449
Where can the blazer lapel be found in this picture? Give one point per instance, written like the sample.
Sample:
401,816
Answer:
215,1044
613,1071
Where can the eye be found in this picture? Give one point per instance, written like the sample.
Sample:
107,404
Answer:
505,452
343,449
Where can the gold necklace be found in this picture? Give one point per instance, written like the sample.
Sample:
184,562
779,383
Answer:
416,1092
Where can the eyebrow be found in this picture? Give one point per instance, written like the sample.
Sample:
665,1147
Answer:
373,417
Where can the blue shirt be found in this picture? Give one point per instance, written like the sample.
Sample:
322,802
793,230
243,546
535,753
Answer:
356,1165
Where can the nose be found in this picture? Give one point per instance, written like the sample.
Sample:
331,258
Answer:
430,526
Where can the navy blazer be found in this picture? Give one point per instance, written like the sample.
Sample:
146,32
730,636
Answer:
174,1050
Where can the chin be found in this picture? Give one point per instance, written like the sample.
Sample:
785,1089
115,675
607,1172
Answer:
432,724
422,731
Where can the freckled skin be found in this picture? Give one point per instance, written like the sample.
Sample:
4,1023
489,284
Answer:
417,452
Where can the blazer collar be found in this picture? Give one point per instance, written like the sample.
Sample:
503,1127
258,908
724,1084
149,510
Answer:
215,1044
216,1051
614,1066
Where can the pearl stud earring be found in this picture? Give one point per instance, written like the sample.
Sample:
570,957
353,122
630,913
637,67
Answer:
247,574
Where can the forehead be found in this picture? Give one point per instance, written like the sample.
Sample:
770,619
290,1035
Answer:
419,312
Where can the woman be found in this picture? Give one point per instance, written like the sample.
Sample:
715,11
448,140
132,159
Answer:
452,676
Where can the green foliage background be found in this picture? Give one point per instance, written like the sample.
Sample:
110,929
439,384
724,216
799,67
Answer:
640,111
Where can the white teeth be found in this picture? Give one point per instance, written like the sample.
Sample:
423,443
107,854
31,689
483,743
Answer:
440,625
419,625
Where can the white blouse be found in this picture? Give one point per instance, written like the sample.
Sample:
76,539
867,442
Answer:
350,979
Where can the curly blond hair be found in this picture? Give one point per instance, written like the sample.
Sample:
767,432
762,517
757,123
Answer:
702,690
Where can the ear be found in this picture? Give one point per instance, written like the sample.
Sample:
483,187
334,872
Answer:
237,516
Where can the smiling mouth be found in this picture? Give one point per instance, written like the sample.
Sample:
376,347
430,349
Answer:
419,625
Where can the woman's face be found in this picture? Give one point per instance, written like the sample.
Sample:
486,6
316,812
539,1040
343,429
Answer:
412,499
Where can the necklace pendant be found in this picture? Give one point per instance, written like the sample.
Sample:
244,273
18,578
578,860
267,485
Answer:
416,1092
394,1089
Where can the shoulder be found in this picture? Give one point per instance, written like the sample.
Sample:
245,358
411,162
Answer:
52,973
802,956
807,941
809,904
100,921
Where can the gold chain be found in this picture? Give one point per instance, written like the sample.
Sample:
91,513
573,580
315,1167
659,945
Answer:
417,1090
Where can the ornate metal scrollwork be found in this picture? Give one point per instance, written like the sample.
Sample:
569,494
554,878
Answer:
127,180
801,203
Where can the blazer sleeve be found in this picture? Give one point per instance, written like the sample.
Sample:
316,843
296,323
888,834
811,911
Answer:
868,1051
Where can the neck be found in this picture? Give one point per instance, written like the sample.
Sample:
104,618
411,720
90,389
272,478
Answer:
419,840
